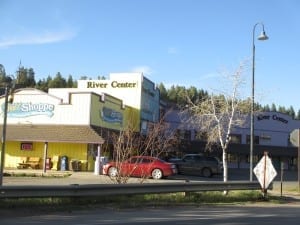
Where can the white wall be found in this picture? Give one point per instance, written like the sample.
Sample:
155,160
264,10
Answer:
36,107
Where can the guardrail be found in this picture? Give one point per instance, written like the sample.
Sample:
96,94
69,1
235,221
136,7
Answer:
90,190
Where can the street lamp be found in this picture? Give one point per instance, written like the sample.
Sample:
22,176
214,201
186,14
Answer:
8,88
261,37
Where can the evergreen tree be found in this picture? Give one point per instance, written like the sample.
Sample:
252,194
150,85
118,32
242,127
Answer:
172,95
163,92
22,76
30,78
181,99
282,109
193,94
273,108
70,82
202,94
25,77
2,73
298,115
42,85
291,112
266,108
58,82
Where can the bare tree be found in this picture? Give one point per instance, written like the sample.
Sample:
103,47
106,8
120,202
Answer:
127,142
216,115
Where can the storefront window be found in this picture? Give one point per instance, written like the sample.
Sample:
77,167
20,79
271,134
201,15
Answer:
256,140
236,138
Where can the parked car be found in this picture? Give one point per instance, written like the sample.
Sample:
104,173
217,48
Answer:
197,164
141,166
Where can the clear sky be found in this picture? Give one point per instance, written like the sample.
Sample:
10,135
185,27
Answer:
184,42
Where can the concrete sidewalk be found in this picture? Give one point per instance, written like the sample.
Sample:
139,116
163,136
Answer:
38,172
38,177
51,177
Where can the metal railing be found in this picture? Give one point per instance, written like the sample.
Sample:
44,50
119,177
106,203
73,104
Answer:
76,190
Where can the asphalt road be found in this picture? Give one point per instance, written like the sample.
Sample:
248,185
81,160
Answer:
208,215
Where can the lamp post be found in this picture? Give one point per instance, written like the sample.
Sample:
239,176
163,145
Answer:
8,86
261,37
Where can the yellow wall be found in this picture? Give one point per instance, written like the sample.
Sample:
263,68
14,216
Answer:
72,151
132,118
131,115
96,108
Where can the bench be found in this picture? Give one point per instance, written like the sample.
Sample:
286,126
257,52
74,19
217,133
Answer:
29,162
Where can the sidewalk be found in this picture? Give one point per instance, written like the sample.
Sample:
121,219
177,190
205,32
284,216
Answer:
38,172
51,177
38,177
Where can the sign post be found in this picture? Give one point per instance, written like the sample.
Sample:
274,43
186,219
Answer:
265,172
295,140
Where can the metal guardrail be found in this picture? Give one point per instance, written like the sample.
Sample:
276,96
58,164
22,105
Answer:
90,190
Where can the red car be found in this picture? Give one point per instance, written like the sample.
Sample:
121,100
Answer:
141,166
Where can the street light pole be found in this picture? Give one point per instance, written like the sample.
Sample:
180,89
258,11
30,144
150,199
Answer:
262,37
7,89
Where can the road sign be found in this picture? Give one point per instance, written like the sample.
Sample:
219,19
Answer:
265,171
294,137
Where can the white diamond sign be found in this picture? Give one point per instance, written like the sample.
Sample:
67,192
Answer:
265,171
294,137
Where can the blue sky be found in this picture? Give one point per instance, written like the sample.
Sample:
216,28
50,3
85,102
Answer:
184,42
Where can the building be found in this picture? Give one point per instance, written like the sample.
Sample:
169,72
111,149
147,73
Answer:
74,123
272,132
134,89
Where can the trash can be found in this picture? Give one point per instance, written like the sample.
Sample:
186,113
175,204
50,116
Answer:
75,165
48,163
64,163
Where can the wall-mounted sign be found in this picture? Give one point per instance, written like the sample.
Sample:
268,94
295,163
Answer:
112,84
111,116
27,146
272,117
19,110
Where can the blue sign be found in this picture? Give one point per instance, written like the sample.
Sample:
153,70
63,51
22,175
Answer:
111,116
19,110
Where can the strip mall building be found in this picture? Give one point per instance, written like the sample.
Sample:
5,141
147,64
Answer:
74,123
271,134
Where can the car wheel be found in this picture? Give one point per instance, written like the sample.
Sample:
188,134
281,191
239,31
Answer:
112,172
206,172
157,174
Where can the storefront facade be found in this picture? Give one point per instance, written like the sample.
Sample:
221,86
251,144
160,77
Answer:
73,123
48,127
271,134
134,89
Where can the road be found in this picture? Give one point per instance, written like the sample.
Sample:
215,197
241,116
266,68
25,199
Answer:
208,215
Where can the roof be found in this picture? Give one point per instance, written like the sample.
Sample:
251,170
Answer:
53,133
